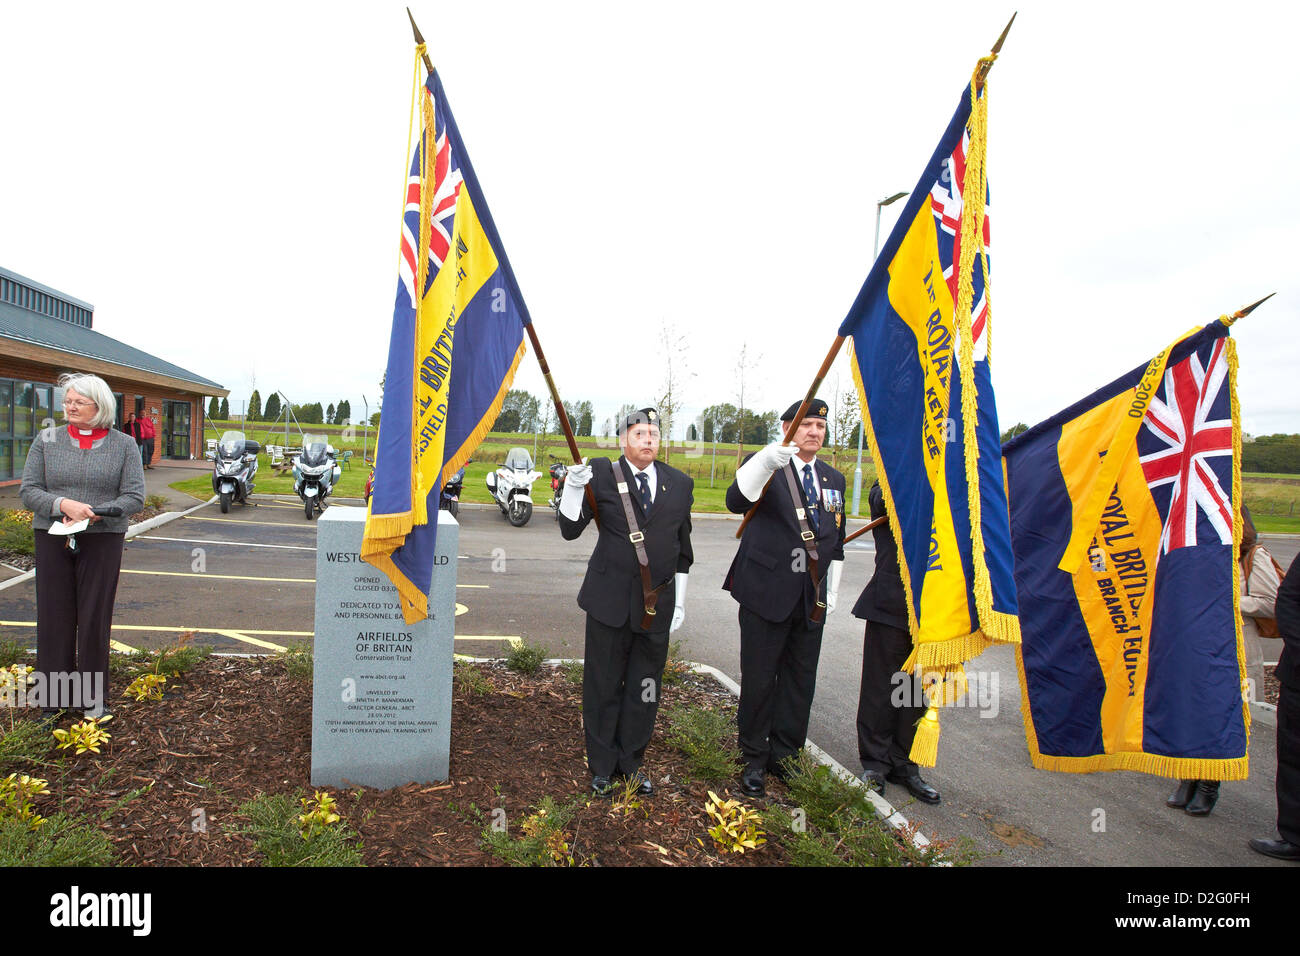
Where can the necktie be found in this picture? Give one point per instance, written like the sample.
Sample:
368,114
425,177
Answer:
810,494
645,492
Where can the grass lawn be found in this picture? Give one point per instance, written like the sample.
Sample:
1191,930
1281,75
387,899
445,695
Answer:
352,484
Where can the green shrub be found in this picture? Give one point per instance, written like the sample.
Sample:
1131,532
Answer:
157,502
675,669
542,840
471,679
525,658
573,672
298,660
707,738
59,841
836,824
16,535
22,743
11,652
273,824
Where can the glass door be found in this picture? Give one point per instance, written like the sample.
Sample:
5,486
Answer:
176,429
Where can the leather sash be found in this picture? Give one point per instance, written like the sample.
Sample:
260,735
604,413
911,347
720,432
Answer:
810,543
649,593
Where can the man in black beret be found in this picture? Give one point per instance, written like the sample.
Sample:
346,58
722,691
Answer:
785,577
634,593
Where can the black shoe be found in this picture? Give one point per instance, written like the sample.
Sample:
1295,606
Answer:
1277,849
1204,799
873,780
601,785
915,786
753,782
640,784
1178,799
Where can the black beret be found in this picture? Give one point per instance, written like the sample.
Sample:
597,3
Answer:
642,416
816,409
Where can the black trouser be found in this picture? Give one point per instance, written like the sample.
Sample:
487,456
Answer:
1288,764
888,706
74,609
778,676
621,684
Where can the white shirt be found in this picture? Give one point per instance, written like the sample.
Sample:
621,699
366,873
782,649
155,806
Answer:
817,485
650,474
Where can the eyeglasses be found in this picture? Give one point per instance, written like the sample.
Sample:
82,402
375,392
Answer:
68,404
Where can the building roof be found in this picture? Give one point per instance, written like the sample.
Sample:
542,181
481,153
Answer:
24,325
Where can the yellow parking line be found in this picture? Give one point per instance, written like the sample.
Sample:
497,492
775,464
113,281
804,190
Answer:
240,636
508,638
483,586
274,524
124,648
224,577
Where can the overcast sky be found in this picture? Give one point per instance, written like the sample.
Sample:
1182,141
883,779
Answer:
223,182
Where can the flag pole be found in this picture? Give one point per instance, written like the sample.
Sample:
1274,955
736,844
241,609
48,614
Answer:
532,336
873,523
798,419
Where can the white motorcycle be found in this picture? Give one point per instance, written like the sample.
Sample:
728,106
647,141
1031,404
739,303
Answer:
511,486
314,473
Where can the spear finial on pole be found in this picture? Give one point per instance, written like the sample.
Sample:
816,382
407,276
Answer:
987,63
419,39
1243,312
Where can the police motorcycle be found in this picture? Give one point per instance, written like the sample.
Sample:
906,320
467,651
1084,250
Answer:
314,473
511,486
559,471
234,463
449,499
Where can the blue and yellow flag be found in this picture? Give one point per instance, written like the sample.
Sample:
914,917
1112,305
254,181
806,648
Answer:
1125,518
452,355
920,331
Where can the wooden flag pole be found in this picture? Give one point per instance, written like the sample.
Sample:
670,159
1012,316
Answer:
873,523
798,418
561,414
532,337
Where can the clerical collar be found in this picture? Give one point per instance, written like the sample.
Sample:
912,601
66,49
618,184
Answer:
86,437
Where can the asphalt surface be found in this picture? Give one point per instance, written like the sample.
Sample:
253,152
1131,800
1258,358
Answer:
245,582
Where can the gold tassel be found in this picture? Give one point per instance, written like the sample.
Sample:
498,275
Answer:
925,747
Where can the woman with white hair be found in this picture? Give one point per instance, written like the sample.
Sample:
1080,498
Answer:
71,471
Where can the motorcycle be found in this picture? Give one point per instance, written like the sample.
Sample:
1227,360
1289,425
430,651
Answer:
511,486
234,463
449,500
559,471
314,473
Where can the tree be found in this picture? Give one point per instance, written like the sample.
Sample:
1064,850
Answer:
580,416
214,408
718,422
842,429
272,410
224,411
255,407
329,414
692,433
374,420
518,412
343,413
1014,430
676,374
743,365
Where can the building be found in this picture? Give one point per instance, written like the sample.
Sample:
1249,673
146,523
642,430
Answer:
44,333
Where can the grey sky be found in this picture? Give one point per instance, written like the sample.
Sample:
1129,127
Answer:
223,182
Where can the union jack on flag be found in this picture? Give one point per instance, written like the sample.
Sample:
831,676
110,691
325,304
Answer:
447,184
946,204
1185,447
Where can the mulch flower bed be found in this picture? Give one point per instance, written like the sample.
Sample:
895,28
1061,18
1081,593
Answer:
232,729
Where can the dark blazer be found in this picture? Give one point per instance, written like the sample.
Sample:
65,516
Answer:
1288,625
762,575
611,591
883,599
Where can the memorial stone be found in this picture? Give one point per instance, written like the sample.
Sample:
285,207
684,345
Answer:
381,696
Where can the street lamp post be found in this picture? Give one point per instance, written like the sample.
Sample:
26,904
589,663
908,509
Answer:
857,472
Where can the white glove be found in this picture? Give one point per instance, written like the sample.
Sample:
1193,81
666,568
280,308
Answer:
679,611
574,483
833,586
753,474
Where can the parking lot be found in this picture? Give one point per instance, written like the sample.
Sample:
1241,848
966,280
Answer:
243,581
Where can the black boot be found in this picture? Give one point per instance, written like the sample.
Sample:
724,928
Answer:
1178,799
1203,800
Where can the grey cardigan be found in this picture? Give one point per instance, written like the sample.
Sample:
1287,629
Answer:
108,474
